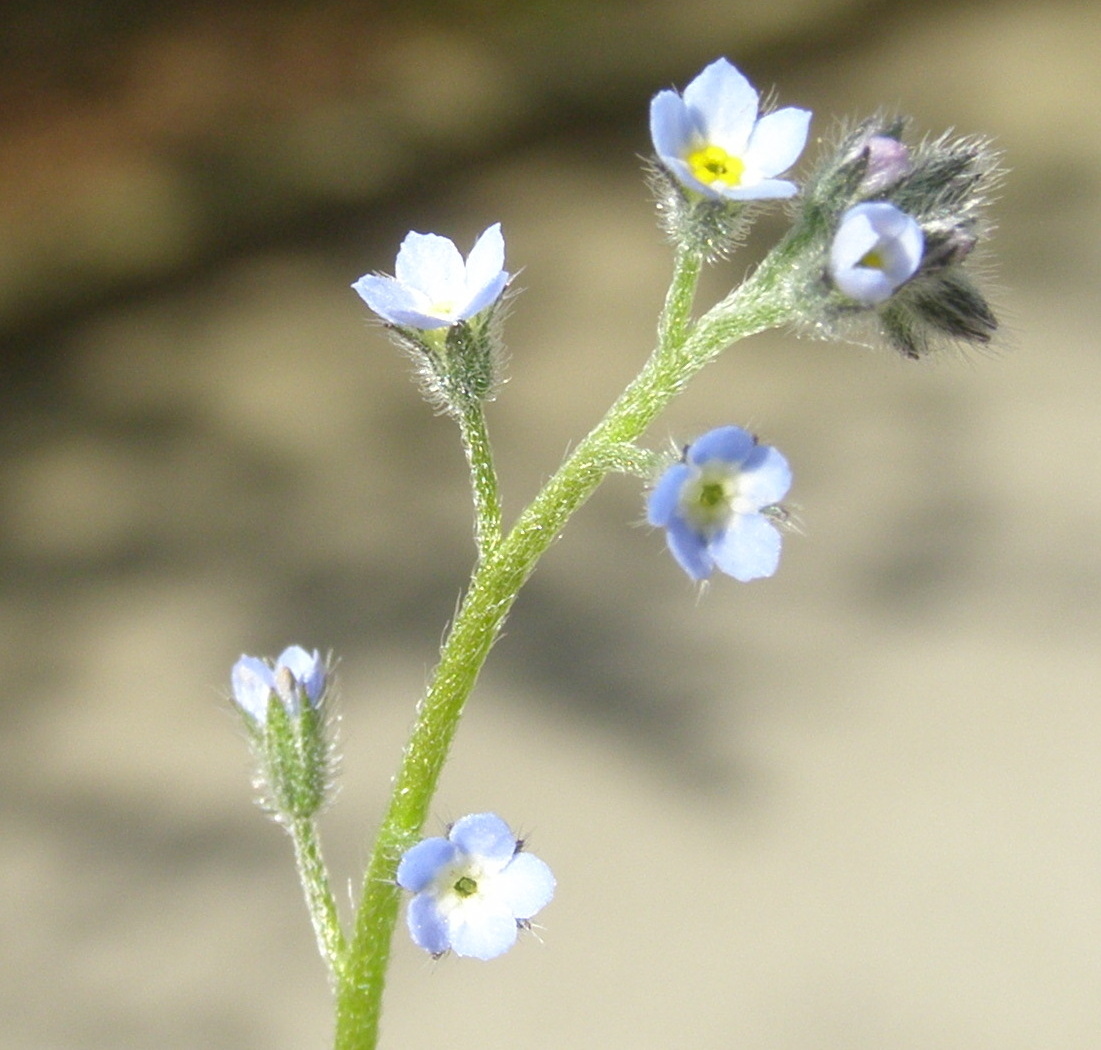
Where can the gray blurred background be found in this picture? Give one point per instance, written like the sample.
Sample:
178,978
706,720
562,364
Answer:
850,808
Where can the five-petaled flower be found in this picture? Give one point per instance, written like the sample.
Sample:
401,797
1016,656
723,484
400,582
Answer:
474,889
297,677
718,505
714,142
432,286
876,249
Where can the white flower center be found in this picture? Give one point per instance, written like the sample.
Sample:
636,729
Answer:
711,496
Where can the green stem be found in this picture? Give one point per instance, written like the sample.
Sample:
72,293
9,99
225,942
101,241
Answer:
483,475
681,352
675,315
314,877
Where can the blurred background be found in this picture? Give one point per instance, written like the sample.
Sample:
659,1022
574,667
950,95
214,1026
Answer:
855,806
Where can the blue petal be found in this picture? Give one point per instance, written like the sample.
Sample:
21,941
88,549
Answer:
865,284
487,258
427,926
748,549
484,835
422,863
765,190
308,670
727,103
482,297
431,264
729,444
527,885
252,681
855,237
671,126
481,928
777,141
662,503
765,477
689,547
397,304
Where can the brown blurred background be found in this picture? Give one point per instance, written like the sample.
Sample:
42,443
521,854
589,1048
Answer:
851,808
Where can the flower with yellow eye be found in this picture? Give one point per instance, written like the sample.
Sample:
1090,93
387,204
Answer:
716,144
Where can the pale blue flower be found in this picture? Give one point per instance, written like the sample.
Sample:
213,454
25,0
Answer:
474,889
718,505
714,142
296,676
876,249
432,286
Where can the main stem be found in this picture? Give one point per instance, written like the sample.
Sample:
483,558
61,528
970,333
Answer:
682,351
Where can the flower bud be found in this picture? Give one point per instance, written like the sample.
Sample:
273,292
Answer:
284,707
887,161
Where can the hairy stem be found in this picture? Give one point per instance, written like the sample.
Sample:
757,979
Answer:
483,475
682,350
319,897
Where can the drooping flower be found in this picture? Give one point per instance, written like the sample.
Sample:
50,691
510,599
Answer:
474,889
297,677
715,143
432,286
719,503
876,249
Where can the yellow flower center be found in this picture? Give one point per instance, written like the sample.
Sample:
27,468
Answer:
873,261
712,164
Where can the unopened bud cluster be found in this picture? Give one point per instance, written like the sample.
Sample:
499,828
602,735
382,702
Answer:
284,705
888,227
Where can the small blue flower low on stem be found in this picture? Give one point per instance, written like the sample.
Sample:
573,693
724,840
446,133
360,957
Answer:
474,889
719,504
285,707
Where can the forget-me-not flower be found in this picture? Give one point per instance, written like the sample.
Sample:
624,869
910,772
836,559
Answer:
474,889
712,139
876,249
718,504
297,676
432,286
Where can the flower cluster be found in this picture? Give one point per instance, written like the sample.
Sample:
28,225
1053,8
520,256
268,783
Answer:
284,706
893,225
719,505
473,889
880,236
